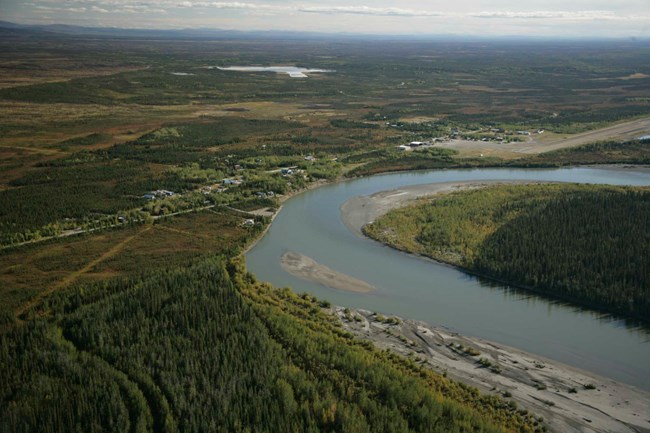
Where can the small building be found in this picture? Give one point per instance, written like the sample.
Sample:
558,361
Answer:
248,223
149,196
417,143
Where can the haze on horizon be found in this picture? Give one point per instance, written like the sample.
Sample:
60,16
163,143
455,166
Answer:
554,18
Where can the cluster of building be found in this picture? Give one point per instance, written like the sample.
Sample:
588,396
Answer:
416,144
159,193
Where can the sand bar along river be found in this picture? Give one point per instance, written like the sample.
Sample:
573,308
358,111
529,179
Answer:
311,224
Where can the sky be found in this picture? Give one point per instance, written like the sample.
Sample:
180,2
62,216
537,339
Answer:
554,18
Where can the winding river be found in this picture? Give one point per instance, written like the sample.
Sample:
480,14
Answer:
416,288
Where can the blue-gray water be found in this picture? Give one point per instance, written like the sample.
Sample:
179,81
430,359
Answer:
416,288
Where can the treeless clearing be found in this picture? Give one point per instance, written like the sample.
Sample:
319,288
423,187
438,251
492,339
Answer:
73,276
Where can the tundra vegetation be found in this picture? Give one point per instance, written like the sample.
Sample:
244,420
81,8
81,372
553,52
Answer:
125,307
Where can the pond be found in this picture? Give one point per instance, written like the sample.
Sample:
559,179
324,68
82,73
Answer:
292,71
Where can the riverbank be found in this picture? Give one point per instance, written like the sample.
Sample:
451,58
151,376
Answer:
569,399
272,214
362,210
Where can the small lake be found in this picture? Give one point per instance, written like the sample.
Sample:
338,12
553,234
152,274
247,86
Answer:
416,288
292,71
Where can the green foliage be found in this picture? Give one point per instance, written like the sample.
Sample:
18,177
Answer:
52,198
205,348
395,160
588,244
346,123
214,133
610,152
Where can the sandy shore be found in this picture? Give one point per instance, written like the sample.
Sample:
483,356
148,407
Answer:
306,268
361,210
550,389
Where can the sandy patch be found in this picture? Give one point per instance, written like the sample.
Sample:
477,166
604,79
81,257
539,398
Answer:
361,210
308,269
547,388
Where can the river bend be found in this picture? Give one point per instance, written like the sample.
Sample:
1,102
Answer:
417,288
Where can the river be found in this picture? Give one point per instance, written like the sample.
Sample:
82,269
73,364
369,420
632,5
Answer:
421,289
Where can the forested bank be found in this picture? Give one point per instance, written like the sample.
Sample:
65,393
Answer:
206,348
587,244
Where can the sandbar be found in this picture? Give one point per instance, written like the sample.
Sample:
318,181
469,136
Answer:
308,269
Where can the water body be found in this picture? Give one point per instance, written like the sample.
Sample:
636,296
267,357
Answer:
292,71
417,288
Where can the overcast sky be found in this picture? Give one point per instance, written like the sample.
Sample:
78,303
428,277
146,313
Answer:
563,18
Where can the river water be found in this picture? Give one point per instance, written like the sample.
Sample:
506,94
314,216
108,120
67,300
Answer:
421,289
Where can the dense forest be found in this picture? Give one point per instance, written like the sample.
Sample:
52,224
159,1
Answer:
588,244
206,348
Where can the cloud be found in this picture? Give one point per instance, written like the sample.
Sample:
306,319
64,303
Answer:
215,5
367,10
271,13
557,15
